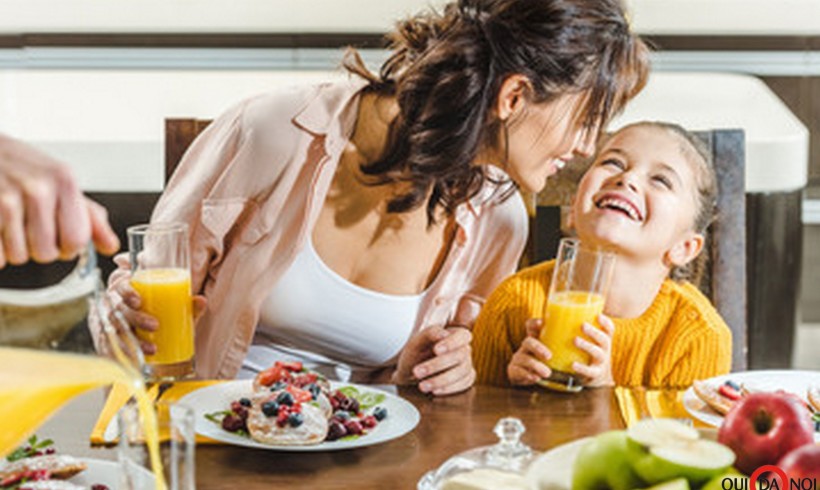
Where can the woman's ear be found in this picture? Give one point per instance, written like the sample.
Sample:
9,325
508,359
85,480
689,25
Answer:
685,250
512,96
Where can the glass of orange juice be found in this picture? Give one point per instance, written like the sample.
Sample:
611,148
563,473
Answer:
161,276
577,294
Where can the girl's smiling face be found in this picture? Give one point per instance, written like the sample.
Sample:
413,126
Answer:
640,197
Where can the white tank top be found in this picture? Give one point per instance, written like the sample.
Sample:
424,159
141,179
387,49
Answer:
332,325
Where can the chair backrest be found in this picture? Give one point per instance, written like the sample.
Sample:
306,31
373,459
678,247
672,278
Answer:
179,134
724,280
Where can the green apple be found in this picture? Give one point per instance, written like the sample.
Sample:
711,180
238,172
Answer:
602,464
663,449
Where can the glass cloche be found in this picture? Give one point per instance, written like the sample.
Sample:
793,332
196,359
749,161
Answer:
501,465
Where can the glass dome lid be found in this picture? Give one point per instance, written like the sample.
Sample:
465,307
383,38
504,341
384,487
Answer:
501,465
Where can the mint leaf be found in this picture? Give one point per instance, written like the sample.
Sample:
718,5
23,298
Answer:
29,450
366,399
216,417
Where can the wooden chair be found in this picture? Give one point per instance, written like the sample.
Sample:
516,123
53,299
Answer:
179,134
724,280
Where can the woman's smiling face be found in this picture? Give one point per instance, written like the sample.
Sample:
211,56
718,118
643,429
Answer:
640,194
544,138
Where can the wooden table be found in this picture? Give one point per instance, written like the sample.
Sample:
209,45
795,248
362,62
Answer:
448,426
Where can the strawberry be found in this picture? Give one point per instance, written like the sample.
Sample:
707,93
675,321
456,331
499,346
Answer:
299,394
272,375
729,392
305,379
290,365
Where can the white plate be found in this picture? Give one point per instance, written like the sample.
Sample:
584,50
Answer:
797,382
402,417
553,469
107,473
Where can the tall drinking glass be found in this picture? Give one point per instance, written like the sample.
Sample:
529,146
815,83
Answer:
175,428
577,294
161,276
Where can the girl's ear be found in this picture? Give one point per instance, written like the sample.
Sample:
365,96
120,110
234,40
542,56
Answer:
512,96
685,250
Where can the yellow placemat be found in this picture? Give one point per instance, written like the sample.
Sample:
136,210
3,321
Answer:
638,403
119,395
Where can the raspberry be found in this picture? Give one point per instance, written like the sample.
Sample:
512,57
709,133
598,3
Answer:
369,421
354,427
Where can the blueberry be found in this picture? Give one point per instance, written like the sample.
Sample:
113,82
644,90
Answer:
279,385
285,398
341,414
270,409
295,419
733,385
245,402
380,413
314,390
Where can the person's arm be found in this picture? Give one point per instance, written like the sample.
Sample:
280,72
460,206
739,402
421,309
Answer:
208,159
499,331
43,214
439,357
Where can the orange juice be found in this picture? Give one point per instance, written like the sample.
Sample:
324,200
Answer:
34,384
166,295
566,312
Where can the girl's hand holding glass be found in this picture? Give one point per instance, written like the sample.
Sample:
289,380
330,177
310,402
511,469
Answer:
599,370
527,365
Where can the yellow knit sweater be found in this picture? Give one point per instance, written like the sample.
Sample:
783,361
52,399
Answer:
678,339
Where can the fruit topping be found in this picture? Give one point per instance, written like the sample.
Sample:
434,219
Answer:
285,398
380,413
270,409
296,419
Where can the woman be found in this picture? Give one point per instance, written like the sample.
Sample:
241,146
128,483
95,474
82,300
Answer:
359,225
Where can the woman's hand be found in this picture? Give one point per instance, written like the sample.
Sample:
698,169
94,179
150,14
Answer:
527,364
438,359
131,303
599,370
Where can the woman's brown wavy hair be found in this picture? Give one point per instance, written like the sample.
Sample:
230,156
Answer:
447,68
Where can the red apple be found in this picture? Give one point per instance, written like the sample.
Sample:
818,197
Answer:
803,462
761,428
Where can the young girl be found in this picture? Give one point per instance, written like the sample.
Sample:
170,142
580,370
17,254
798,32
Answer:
649,195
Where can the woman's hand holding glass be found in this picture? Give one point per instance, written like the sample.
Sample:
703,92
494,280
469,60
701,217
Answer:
130,302
527,365
438,359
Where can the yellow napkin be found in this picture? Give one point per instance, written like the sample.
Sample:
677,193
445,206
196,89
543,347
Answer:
638,403
119,395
